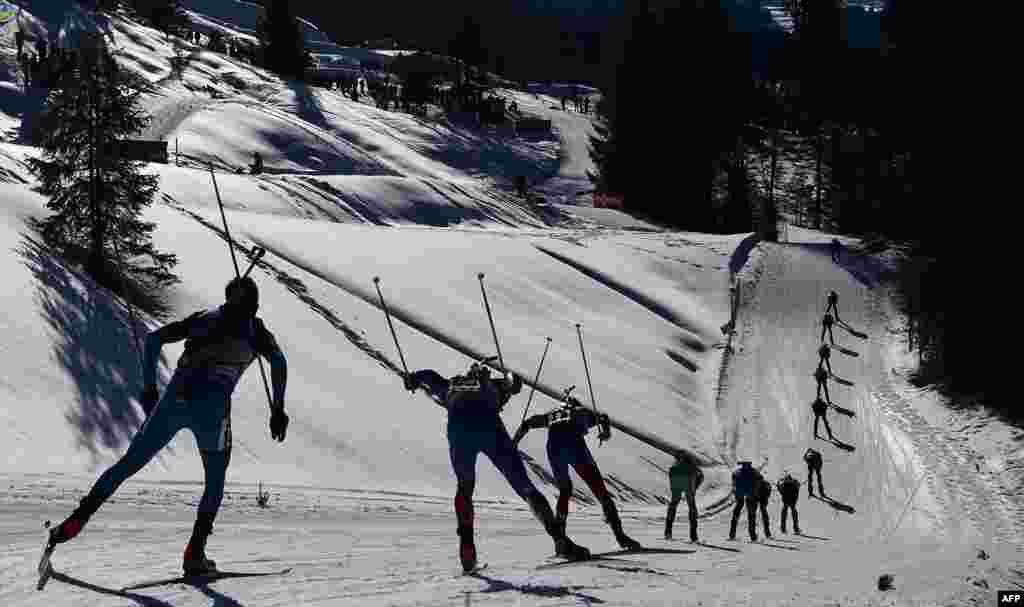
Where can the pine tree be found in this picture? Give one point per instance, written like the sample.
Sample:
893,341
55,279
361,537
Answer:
284,48
97,196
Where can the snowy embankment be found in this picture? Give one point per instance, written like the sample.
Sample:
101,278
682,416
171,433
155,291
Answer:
360,506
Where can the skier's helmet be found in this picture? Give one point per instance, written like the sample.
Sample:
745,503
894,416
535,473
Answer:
243,295
479,368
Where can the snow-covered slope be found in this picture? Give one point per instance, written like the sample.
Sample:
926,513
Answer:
361,488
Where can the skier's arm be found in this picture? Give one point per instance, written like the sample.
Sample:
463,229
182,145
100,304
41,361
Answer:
268,348
167,334
532,422
431,381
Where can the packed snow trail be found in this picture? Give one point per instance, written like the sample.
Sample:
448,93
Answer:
766,409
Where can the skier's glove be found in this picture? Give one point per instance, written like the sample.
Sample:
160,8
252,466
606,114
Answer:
410,382
278,424
148,399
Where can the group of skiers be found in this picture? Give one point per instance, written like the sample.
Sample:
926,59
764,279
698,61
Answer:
221,343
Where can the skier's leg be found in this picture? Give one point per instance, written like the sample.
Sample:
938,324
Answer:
691,505
764,519
505,457
462,450
827,427
816,418
810,481
752,518
215,465
796,521
735,517
782,517
560,470
821,489
587,468
670,515
158,430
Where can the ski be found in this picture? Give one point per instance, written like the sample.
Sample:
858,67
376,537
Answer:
840,380
205,578
853,331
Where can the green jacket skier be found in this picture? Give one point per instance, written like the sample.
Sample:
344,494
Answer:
685,477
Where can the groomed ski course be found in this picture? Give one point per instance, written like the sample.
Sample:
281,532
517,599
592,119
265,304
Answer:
361,490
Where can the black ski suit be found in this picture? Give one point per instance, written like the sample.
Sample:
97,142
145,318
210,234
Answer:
789,491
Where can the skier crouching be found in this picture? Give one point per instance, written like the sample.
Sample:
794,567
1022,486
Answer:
474,402
219,345
567,427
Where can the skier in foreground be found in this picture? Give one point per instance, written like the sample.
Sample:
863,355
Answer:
744,481
685,476
567,426
789,490
219,345
474,402
813,459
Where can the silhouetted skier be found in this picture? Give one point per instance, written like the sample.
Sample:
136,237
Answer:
826,326
833,305
685,477
763,493
825,358
821,376
789,491
820,408
567,426
813,460
474,402
744,482
219,345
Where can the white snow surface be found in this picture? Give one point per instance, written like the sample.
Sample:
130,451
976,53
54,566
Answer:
361,490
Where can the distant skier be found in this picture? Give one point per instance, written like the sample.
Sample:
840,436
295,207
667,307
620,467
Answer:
813,460
567,426
789,490
833,305
824,358
834,248
763,493
820,408
821,376
744,482
219,345
474,402
257,163
826,326
685,477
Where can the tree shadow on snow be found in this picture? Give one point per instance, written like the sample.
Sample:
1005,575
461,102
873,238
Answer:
93,342
496,585
864,269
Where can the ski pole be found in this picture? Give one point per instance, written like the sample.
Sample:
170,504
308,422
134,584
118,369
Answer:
227,233
586,368
257,254
497,347
533,388
238,274
387,315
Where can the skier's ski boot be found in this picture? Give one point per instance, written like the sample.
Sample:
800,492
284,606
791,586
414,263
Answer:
194,561
565,547
668,537
628,543
467,550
